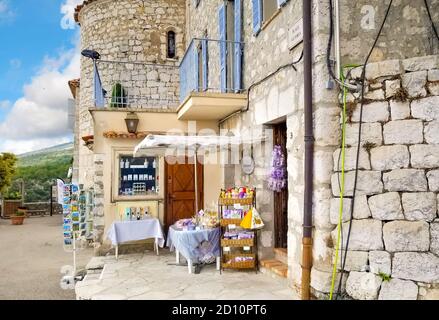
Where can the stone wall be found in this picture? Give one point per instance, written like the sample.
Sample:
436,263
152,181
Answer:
395,231
57,208
98,202
407,33
131,31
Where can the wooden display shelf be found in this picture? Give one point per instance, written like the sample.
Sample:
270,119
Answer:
239,265
226,222
232,201
237,242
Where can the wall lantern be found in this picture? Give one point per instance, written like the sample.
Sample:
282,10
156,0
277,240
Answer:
132,120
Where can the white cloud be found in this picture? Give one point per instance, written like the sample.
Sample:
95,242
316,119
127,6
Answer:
39,118
68,10
6,13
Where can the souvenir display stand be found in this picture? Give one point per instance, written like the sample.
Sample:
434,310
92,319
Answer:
74,218
239,247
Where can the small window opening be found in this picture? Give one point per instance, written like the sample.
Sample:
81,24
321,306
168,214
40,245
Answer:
171,45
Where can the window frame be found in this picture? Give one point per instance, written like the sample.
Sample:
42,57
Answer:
116,172
265,21
168,44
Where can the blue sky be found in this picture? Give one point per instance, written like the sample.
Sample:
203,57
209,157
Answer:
38,55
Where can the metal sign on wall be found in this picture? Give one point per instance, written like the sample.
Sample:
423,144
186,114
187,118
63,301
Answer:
296,34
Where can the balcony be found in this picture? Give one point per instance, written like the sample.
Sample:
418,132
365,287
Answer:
131,85
211,80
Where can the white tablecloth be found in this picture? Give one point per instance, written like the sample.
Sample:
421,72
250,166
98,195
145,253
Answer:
124,231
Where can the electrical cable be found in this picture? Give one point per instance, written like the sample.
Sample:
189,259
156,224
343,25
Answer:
342,84
363,80
341,157
271,74
431,19
341,188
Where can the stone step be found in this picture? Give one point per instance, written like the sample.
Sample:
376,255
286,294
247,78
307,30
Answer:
281,254
274,267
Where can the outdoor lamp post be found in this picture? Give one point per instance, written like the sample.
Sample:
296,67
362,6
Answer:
132,121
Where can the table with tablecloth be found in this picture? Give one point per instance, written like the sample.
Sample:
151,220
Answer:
125,231
194,245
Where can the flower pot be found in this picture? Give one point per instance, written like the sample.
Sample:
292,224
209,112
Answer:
17,220
23,210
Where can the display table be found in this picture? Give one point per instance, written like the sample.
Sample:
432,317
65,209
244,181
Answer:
124,231
187,243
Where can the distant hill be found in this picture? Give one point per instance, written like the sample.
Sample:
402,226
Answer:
39,168
47,154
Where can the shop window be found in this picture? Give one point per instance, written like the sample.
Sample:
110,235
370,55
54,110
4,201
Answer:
171,45
138,176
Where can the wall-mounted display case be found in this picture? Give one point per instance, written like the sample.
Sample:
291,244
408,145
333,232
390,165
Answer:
138,176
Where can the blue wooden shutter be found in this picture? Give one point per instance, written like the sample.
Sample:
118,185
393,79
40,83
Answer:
196,83
280,3
223,47
183,80
237,47
257,16
205,64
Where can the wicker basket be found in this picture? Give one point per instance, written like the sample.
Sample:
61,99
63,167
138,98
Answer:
239,265
232,201
226,222
237,242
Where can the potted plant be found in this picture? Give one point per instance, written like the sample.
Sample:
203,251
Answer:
119,96
18,218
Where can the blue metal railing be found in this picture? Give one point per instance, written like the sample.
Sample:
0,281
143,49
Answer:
210,65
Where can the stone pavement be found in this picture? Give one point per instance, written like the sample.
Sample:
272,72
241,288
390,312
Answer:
150,277
31,258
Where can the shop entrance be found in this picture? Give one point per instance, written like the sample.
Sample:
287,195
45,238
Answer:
180,189
281,198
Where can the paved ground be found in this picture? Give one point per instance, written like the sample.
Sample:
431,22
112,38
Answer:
147,276
31,257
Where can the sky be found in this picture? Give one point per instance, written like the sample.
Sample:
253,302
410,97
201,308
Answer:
39,54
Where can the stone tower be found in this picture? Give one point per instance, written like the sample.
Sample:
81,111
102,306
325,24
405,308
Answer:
132,38
133,31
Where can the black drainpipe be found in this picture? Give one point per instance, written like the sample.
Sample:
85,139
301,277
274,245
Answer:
309,150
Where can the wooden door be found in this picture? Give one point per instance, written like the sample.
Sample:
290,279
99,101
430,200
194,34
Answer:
180,190
281,198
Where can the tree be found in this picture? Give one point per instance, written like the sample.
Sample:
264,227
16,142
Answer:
7,170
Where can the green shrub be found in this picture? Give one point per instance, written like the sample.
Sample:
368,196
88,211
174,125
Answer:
118,96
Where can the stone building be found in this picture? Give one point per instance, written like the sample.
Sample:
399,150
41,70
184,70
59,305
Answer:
240,71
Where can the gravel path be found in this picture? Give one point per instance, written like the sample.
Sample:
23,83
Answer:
31,257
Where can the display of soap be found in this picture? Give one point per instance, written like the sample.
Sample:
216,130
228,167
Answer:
207,219
238,235
186,224
135,213
233,213
237,193
240,259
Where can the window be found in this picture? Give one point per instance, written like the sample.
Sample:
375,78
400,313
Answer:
269,7
171,45
263,10
138,176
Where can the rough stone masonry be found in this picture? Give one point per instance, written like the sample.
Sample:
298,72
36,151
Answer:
394,245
